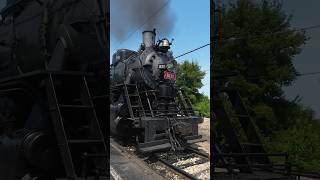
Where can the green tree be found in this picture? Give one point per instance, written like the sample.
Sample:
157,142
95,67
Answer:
259,44
189,76
203,106
301,140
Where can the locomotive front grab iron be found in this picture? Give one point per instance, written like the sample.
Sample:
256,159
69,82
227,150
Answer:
146,104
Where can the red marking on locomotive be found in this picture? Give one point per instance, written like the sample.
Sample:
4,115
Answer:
169,75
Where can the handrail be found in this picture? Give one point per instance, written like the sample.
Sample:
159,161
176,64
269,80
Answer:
287,166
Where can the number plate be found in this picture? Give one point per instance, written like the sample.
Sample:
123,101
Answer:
169,75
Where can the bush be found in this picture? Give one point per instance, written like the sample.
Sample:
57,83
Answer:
301,141
202,107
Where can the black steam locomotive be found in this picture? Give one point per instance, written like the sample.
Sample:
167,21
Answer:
146,104
53,86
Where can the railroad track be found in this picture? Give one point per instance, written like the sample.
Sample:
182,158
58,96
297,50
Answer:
300,174
303,174
190,163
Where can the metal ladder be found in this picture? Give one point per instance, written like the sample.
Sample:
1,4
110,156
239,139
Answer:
230,133
235,128
253,143
131,94
71,147
186,103
149,107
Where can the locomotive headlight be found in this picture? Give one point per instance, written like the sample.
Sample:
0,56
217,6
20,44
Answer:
161,66
170,66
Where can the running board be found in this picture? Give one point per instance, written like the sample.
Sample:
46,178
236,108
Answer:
164,144
154,146
194,139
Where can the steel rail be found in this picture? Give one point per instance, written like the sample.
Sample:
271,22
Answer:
175,168
300,174
198,152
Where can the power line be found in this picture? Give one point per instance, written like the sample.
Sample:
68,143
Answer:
305,28
192,50
155,13
234,74
309,73
257,36
311,27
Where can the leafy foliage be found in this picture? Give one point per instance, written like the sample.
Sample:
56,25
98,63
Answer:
203,106
189,76
259,44
301,141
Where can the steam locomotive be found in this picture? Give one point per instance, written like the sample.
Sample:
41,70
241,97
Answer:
146,105
52,68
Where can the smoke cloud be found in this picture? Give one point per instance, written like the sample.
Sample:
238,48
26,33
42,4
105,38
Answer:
128,15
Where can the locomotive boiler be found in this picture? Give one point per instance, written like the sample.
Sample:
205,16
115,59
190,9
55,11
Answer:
52,54
146,105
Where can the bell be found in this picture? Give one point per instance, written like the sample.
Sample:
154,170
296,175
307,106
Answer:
165,43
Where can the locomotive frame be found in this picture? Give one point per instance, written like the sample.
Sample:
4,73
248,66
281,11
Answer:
152,124
146,104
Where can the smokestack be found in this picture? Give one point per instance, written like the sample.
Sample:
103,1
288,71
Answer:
149,38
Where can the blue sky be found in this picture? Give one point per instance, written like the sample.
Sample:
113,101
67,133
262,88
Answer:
191,30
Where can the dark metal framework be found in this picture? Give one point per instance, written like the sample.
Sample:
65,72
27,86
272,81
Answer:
241,149
76,127
53,89
155,126
241,152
